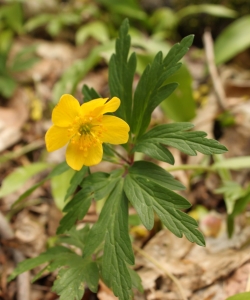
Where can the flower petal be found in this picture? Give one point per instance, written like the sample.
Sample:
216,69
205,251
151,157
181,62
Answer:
89,107
56,137
95,154
112,105
116,130
75,157
65,111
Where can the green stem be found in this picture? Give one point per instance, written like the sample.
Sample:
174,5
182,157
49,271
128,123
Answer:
25,149
189,167
118,154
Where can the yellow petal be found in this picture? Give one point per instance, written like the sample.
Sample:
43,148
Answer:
115,130
75,157
95,154
112,105
56,137
65,111
96,104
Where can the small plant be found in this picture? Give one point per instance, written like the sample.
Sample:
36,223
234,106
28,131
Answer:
89,129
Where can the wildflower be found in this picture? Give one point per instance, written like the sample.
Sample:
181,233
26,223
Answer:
85,128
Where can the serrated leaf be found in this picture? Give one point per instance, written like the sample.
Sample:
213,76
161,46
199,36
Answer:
147,197
75,237
70,281
31,263
186,141
149,170
75,181
156,151
121,73
89,93
112,227
96,186
136,280
151,90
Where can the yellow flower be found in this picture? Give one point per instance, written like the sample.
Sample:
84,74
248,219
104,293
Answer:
85,128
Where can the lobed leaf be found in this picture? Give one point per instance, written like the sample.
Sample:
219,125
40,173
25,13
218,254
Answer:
96,186
112,228
31,263
147,196
70,281
186,141
121,73
151,90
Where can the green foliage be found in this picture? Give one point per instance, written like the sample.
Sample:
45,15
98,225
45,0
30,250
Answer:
17,179
241,296
177,136
121,73
181,97
106,249
233,40
151,91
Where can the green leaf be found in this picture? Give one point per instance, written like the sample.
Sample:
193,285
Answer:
211,9
147,197
156,151
89,93
59,169
121,73
148,170
96,186
136,280
75,181
37,21
31,263
232,192
181,97
241,296
186,141
17,178
233,40
96,29
75,237
24,59
59,186
112,227
235,163
70,282
151,91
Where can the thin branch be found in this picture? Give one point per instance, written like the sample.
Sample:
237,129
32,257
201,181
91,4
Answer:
165,271
189,167
218,87
118,154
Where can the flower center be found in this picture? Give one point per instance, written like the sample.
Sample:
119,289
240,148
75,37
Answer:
85,132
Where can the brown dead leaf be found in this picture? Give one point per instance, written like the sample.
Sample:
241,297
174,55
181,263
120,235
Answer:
12,119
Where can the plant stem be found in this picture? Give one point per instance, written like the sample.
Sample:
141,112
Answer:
189,167
25,149
118,154
159,266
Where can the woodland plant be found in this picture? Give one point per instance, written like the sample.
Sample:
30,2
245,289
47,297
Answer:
91,130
